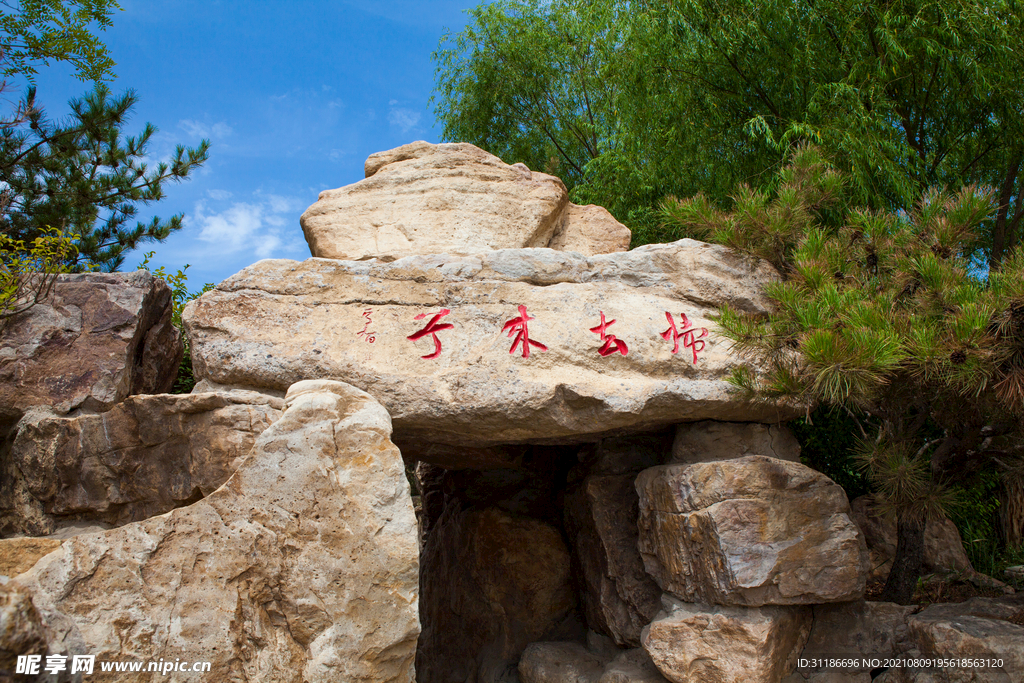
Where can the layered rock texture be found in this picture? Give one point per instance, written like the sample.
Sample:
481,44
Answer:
259,577
750,531
97,338
143,457
453,198
503,347
691,643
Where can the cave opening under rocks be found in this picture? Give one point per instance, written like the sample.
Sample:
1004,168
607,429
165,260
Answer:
530,544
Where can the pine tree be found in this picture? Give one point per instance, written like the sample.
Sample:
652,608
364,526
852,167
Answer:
83,178
885,315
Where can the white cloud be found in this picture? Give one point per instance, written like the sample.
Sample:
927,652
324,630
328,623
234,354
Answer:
265,227
203,130
403,119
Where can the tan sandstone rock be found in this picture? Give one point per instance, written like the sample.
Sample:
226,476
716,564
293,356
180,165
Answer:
301,567
492,584
17,555
452,198
700,644
590,230
143,457
96,339
710,440
22,631
750,531
277,322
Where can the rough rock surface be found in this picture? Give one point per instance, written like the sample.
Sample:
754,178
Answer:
692,643
301,567
619,598
492,584
96,339
750,531
708,440
17,555
943,548
143,457
569,662
452,198
277,322
590,230
859,629
22,631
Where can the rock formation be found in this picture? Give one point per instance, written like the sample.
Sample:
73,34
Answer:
97,338
301,567
504,347
453,198
750,531
143,457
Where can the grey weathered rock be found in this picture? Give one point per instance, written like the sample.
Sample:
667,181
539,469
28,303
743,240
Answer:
452,198
569,662
709,440
943,548
143,457
560,662
492,584
858,630
277,322
96,339
692,643
750,531
619,598
302,566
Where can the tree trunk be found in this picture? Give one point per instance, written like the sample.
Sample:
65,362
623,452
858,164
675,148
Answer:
909,560
1003,231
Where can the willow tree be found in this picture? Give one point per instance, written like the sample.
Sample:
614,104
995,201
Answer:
881,313
636,100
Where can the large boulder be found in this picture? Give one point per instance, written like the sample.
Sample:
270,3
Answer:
709,440
97,338
692,643
750,531
492,583
301,567
143,457
986,632
619,598
452,198
943,547
440,340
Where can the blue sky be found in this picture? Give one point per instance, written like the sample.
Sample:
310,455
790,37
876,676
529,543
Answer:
293,96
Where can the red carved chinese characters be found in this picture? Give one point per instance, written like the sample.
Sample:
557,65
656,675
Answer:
688,334
517,327
432,329
366,333
611,342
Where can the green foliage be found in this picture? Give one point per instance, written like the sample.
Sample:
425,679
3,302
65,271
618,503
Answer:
82,177
180,296
881,315
634,101
28,273
37,31
829,443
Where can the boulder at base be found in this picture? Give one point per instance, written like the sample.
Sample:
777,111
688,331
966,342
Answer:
97,338
301,567
452,198
693,643
750,531
143,457
502,347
